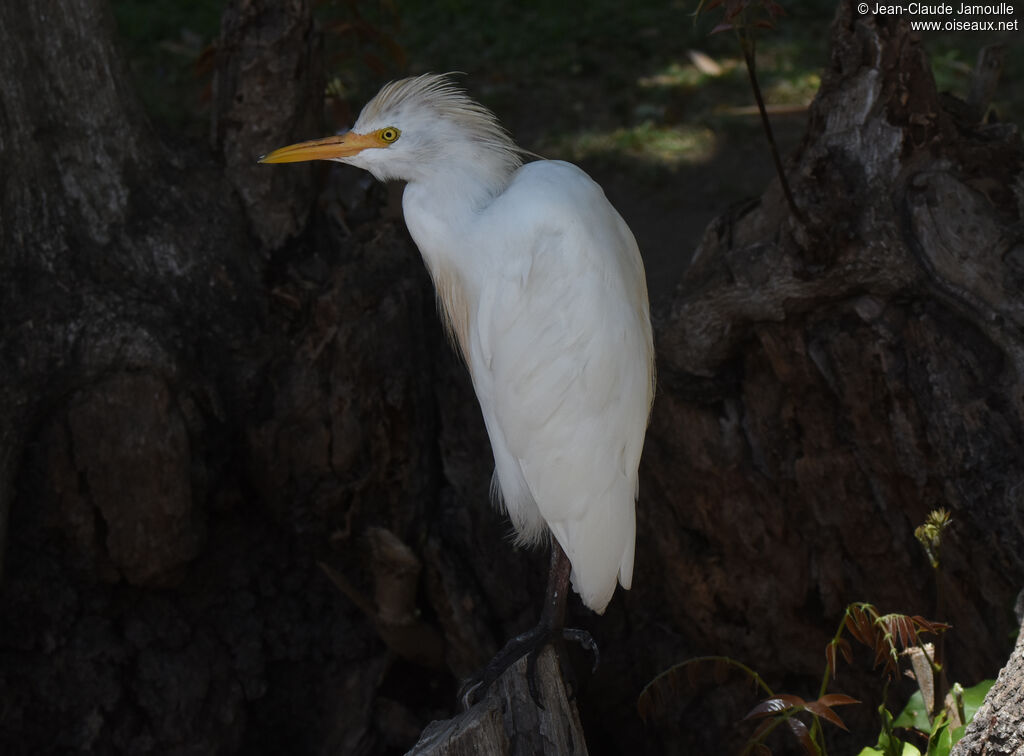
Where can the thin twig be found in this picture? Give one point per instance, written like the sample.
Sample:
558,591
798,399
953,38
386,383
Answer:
748,56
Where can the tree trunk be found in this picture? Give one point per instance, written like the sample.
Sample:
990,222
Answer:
998,727
189,419
206,389
111,260
822,387
508,722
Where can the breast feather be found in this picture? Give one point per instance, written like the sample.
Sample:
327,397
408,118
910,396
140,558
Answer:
453,302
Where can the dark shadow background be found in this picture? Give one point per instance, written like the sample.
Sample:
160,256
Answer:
244,477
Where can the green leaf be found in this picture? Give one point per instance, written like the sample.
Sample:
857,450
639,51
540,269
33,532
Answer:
941,741
907,750
914,714
888,743
974,697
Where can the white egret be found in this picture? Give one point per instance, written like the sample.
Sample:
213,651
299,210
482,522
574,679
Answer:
543,291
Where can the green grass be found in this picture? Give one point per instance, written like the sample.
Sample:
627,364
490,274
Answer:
953,57
646,142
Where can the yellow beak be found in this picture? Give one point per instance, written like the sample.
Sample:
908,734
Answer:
327,148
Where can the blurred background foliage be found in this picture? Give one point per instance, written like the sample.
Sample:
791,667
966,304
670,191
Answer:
645,78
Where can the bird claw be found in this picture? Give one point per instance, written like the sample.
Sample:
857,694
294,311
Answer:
586,640
529,644
526,643
467,691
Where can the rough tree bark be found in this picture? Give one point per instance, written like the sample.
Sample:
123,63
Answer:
186,416
508,720
997,729
823,387
206,389
109,261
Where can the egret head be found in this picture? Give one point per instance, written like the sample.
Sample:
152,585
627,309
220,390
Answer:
413,128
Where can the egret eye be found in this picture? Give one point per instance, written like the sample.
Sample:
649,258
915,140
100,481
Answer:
389,135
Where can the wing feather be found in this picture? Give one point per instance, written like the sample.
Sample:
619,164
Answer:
562,362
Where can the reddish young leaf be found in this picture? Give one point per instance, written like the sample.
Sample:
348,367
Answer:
901,626
851,626
884,657
860,626
821,710
830,654
799,729
775,705
844,646
837,699
930,626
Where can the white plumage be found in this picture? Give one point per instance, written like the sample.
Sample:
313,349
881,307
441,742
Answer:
542,287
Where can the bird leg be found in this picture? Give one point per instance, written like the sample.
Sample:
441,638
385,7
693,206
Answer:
550,629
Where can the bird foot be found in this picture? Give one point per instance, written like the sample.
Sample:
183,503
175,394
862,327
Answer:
528,644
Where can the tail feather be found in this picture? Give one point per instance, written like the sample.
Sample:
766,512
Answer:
600,546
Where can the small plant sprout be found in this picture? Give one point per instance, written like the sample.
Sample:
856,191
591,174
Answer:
930,533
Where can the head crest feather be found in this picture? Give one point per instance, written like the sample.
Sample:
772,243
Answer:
439,94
